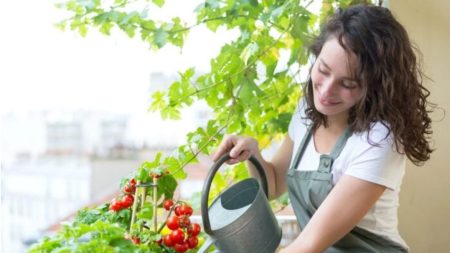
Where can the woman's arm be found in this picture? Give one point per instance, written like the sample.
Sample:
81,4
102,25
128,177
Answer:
276,169
344,207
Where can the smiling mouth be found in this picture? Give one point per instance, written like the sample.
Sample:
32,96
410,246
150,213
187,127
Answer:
328,102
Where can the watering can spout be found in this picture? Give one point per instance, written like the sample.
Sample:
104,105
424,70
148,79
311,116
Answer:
240,220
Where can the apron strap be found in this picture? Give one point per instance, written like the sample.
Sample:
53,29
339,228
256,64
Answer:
340,143
326,161
301,149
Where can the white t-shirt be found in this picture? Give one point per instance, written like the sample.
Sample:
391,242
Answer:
380,164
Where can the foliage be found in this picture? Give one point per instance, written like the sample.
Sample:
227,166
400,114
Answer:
252,89
254,82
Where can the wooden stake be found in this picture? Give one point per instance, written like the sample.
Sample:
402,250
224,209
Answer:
133,213
155,196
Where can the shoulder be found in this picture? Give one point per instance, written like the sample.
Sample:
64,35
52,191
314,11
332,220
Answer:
378,134
372,156
378,140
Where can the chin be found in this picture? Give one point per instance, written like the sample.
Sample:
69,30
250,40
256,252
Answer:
329,110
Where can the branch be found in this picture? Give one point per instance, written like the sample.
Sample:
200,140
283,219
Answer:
195,155
251,64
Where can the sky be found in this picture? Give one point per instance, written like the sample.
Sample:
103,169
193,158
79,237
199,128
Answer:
43,68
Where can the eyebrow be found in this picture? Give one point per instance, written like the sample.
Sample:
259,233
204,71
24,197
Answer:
328,67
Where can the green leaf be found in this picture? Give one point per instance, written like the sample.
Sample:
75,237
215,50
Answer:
61,25
146,212
46,245
160,38
147,25
174,166
158,3
249,51
167,185
82,29
300,28
121,243
63,250
170,113
212,4
87,216
158,101
105,28
142,174
281,123
130,30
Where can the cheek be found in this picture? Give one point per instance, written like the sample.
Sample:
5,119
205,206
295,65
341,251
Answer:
315,75
353,95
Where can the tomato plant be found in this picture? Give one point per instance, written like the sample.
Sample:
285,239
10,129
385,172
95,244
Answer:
128,223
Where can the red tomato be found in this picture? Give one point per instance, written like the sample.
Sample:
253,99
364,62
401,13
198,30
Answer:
167,204
192,241
168,240
136,240
186,210
177,210
177,236
173,223
129,189
184,221
194,229
181,247
115,205
127,201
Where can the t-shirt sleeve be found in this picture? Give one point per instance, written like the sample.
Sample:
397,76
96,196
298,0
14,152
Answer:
380,163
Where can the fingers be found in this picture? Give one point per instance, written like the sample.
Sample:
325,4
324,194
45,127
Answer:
240,148
244,155
225,146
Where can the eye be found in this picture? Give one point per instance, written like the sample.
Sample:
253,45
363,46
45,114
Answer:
322,71
349,84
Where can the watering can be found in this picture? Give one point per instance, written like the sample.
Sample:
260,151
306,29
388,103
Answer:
240,219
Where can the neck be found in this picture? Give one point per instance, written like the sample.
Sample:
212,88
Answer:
337,123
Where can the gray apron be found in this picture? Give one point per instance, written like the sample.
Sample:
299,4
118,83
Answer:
308,189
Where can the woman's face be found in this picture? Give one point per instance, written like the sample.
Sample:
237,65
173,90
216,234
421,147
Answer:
335,90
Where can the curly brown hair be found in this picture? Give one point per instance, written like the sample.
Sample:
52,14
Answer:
390,76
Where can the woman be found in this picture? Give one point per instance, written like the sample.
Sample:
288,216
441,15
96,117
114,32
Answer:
364,112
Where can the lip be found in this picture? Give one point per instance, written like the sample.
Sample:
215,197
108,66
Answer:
327,102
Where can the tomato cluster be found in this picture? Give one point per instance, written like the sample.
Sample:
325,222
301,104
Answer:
183,234
127,198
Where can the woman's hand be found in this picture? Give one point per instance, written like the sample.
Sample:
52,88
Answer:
239,147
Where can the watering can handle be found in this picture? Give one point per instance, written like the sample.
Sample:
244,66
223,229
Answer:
208,182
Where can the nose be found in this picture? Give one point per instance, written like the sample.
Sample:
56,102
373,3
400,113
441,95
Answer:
327,87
